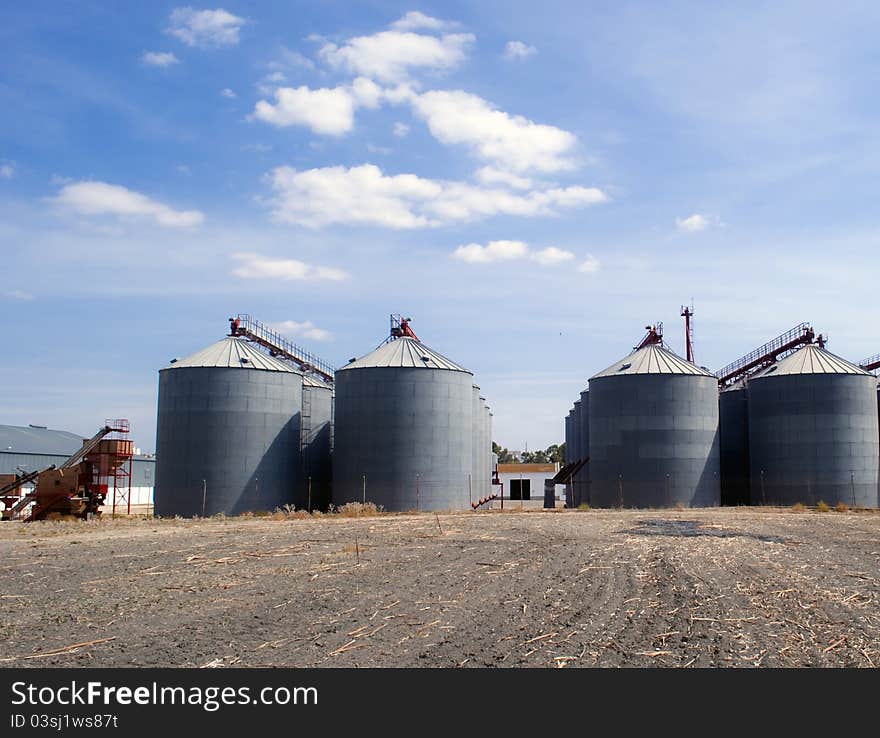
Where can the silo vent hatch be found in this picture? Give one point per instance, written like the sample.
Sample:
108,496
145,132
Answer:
426,358
624,367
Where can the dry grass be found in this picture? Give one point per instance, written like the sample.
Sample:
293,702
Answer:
798,507
357,509
841,507
822,506
584,506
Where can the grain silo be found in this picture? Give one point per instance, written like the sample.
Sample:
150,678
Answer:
404,429
582,478
654,432
733,421
569,451
477,450
317,441
486,456
813,431
228,432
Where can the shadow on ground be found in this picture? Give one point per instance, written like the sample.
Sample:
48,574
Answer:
691,528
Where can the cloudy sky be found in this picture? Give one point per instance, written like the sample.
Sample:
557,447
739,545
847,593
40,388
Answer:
533,185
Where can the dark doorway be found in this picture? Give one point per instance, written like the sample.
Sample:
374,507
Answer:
520,489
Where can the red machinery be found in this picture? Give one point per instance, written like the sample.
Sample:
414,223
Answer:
400,327
81,485
768,354
653,336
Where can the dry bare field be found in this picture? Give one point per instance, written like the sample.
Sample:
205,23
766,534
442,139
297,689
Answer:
719,587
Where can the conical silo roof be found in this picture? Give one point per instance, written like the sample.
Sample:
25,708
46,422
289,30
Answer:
232,353
406,353
652,359
811,360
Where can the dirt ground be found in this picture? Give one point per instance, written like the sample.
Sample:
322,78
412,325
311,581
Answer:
720,587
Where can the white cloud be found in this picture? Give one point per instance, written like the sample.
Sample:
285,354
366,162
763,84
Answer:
205,28
512,142
491,175
101,198
255,266
306,329
474,253
390,55
414,20
551,256
226,92
328,111
7,170
289,59
692,223
518,50
159,58
364,195
590,265
400,129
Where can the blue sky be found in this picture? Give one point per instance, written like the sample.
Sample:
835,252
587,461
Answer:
532,186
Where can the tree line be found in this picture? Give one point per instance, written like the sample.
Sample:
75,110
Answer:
550,455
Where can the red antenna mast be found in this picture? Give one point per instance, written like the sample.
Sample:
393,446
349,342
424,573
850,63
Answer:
688,313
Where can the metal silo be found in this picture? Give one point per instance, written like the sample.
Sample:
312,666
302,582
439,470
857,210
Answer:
576,430
477,449
582,478
228,432
813,431
569,452
654,433
404,429
486,456
733,410
317,431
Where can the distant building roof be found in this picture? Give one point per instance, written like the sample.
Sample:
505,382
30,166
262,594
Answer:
407,353
232,353
811,360
652,359
527,468
36,440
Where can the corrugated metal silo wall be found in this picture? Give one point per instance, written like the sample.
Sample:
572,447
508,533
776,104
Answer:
568,449
317,428
486,458
234,433
482,414
409,432
576,430
814,437
654,441
477,445
734,426
582,478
